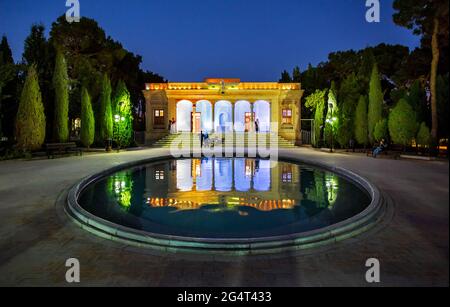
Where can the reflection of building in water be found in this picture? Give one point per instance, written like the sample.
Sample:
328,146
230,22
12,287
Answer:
192,183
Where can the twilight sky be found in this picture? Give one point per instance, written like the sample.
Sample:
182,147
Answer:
188,40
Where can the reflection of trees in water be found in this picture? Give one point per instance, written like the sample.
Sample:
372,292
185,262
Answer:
120,186
324,189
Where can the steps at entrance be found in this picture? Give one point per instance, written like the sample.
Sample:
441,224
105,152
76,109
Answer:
239,141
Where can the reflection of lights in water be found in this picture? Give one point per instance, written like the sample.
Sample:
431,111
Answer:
122,187
332,185
225,205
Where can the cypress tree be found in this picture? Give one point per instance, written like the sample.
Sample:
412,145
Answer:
106,116
361,129
30,121
348,99
381,130
61,87
87,119
376,100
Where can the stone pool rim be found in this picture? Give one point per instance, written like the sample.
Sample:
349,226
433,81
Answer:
349,228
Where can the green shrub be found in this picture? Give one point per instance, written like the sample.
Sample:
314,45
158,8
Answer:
424,136
402,123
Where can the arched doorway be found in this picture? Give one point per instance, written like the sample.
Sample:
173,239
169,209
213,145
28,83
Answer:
184,116
242,116
223,121
204,107
262,115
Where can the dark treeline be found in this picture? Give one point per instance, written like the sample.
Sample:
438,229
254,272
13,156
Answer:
350,78
89,55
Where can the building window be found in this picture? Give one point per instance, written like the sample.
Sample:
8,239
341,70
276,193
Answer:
159,175
158,118
287,116
286,176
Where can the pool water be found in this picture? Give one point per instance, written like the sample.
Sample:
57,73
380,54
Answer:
224,198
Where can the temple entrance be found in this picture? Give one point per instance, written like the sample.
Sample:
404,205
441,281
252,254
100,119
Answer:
196,122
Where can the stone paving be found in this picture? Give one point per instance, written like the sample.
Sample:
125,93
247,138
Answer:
36,237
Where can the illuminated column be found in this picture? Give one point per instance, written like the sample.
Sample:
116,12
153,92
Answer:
213,104
232,116
252,116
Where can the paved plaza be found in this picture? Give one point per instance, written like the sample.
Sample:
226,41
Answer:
36,237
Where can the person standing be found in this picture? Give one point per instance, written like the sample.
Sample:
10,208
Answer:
202,138
257,125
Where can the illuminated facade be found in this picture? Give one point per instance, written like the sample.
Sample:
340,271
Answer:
223,105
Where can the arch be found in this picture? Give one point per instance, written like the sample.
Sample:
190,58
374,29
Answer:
184,116
223,120
205,108
240,109
262,115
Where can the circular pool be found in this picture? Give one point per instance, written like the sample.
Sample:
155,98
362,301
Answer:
237,205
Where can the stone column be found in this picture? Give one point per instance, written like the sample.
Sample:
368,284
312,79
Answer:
252,115
233,116
213,115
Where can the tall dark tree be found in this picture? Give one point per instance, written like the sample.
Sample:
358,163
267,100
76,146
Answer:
348,100
61,87
5,52
297,75
38,52
285,77
87,119
106,116
7,74
375,109
428,18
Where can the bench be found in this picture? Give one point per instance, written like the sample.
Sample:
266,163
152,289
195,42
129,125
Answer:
392,150
55,149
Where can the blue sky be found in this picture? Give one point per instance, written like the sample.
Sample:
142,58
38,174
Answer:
188,40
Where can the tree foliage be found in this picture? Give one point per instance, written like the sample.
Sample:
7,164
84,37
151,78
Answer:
106,116
428,18
61,87
332,118
123,116
375,108
30,122
348,100
424,136
87,119
316,103
361,127
381,130
402,123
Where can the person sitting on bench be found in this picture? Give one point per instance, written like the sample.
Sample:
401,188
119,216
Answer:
379,149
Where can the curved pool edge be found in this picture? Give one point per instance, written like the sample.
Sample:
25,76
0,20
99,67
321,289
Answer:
350,228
